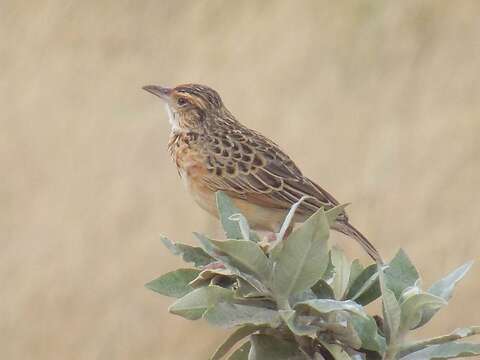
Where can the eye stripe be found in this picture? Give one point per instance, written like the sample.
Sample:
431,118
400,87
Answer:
208,95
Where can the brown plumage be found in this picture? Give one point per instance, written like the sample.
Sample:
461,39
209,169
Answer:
213,151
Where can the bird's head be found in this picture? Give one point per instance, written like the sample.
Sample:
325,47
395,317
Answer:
189,106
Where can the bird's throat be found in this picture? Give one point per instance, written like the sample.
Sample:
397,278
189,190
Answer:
172,119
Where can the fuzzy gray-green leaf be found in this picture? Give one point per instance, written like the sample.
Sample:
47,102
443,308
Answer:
333,213
391,308
190,254
226,209
356,268
242,224
330,270
295,324
175,283
444,289
229,315
289,218
241,353
233,339
400,274
193,305
392,313
324,306
445,351
366,287
305,295
211,275
342,272
337,351
453,336
413,307
366,328
303,258
339,326
322,290
266,347
246,290
244,255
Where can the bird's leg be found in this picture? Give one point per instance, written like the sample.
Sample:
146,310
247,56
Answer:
268,239
271,237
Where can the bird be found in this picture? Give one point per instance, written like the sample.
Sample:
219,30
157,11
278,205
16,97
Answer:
213,152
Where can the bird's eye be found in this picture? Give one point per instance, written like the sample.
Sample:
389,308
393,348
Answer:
181,101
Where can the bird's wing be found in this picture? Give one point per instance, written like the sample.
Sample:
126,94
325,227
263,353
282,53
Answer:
246,165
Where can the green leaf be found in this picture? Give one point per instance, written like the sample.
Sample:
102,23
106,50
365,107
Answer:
333,213
304,257
366,287
391,309
228,315
233,339
336,351
289,218
209,276
339,326
444,289
324,306
241,255
245,290
242,224
243,264
322,290
295,324
241,353
302,296
453,336
367,330
190,254
254,236
412,308
445,351
400,274
330,271
356,268
175,283
193,305
266,347
342,272
391,313
226,209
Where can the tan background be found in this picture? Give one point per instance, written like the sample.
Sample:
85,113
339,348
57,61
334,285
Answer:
377,101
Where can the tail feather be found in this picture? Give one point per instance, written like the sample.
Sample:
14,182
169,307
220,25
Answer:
349,230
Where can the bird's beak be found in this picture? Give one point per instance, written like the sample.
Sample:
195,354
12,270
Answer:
159,91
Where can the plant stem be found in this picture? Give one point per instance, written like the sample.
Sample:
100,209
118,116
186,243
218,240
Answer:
391,352
456,335
283,304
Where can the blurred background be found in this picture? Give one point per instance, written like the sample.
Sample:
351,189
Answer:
376,101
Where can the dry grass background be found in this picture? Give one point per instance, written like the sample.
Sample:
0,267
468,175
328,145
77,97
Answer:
377,101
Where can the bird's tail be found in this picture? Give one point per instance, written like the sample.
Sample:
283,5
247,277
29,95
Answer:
349,230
